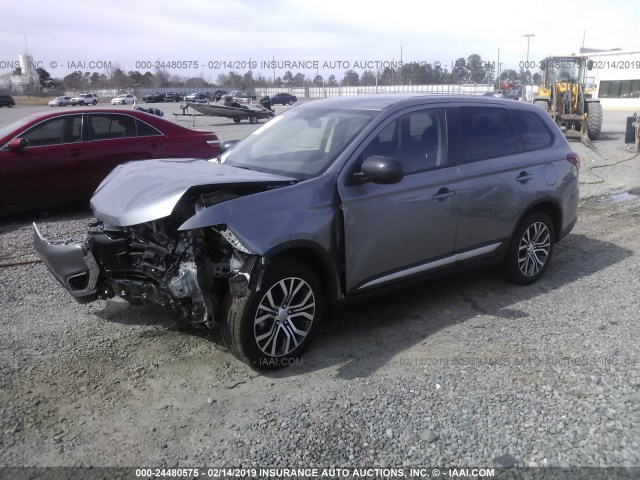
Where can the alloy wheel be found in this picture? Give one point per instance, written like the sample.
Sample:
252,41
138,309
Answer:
284,316
534,249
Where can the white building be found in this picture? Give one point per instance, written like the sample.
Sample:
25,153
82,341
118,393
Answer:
616,75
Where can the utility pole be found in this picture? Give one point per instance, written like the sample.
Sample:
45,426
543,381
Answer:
528,35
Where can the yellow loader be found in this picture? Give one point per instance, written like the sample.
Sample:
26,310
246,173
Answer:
568,101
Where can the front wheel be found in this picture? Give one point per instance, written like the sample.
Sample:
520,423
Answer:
237,120
95,102
530,250
594,120
253,119
270,328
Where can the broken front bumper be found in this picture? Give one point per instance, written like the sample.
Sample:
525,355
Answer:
72,263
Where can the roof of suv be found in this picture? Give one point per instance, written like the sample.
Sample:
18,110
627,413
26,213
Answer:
384,101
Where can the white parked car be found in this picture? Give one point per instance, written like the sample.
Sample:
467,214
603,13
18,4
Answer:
60,102
124,99
85,99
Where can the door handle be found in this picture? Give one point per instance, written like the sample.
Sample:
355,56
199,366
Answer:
443,194
523,177
75,152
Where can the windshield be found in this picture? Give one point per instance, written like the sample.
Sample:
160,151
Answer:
300,143
565,70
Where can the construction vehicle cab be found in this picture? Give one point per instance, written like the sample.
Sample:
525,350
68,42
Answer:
565,96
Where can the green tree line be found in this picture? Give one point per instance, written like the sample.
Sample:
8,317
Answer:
464,70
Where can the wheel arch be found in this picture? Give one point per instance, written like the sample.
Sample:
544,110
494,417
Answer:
317,258
549,206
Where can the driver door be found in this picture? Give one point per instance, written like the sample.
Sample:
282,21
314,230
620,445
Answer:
49,168
395,231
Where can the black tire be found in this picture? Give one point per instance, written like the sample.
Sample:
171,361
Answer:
530,250
123,102
594,122
542,104
95,102
253,119
237,120
73,104
265,345
81,103
290,102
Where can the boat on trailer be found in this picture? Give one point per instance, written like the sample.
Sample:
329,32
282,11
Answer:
253,113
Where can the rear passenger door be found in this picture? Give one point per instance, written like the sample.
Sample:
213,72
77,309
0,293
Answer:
497,177
395,231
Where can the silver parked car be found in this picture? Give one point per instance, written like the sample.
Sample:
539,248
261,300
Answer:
326,201
60,102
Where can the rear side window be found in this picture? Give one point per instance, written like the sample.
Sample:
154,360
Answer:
107,126
146,130
487,133
532,130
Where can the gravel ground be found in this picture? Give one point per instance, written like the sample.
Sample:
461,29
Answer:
467,371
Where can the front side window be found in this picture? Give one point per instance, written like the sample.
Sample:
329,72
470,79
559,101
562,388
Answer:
57,131
417,140
487,133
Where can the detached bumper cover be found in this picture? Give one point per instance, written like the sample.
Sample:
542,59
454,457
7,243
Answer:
72,263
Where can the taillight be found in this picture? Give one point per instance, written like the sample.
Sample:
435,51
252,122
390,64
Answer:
574,158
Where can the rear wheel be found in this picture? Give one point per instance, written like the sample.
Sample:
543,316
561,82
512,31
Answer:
237,120
269,328
594,121
290,102
530,250
253,119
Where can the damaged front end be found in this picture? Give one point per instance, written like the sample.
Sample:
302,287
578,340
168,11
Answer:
154,264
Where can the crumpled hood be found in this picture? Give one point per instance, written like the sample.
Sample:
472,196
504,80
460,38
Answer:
142,191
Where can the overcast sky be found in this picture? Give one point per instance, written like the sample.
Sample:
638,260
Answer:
204,31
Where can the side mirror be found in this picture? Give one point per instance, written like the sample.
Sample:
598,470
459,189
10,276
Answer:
590,65
17,144
227,145
380,169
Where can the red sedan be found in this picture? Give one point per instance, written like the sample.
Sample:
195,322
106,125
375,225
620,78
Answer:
52,158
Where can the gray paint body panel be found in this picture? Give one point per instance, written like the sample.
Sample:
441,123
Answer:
304,212
142,191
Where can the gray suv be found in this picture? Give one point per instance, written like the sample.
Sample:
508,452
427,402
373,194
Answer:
331,199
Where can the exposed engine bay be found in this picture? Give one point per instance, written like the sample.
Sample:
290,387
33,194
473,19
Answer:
155,264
